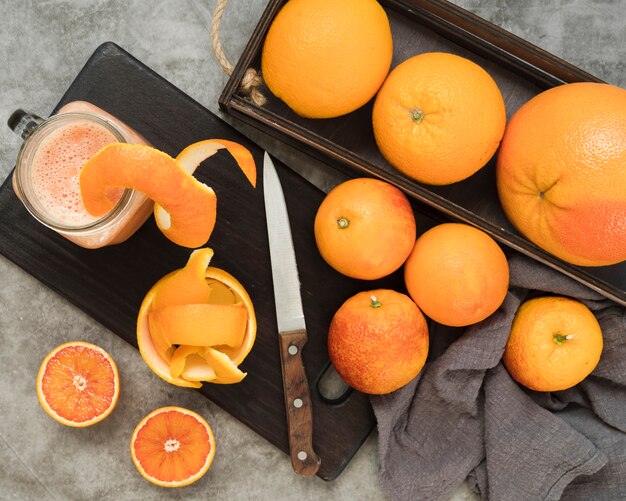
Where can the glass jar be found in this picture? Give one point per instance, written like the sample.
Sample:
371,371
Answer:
46,173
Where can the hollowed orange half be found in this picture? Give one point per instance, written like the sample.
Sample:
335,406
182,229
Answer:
196,324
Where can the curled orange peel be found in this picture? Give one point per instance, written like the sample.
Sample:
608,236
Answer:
200,324
185,209
188,362
225,369
193,155
194,363
187,285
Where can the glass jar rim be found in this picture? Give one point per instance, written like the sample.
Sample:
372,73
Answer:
99,223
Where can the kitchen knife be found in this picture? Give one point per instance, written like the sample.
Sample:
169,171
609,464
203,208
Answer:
291,325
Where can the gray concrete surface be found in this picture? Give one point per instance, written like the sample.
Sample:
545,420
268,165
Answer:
42,47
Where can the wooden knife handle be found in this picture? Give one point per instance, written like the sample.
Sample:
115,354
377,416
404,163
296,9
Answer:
298,403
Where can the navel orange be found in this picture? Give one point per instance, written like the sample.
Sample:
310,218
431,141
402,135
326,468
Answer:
457,274
555,343
561,172
78,384
438,118
172,447
365,228
326,58
378,341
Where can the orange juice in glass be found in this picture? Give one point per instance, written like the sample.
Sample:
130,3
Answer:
46,173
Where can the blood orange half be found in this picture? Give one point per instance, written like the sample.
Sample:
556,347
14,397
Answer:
78,384
172,447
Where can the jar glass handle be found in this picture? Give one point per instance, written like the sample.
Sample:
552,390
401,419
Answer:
23,123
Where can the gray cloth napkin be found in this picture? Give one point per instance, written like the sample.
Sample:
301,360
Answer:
464,417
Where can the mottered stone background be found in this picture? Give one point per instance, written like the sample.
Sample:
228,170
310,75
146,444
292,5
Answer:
43,45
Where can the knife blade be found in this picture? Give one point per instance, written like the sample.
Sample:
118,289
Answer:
291,325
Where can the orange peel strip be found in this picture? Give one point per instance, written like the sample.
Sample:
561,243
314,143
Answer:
193,155
189,363
195,364
196,369
200,324
186,285
161,344
225,369
190,205
159,365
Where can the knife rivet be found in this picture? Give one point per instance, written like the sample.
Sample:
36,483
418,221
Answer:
302,455
297,403
293,349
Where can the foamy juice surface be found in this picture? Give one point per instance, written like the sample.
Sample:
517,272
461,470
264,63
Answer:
56,165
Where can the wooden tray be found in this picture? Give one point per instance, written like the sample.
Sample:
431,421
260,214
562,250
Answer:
109,284
521,71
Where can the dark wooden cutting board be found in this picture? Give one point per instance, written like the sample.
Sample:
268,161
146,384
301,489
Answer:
109,284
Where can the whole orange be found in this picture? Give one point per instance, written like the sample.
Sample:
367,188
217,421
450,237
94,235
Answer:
438,118
326,58
365,228
457,274
555,343
561,172
378,341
